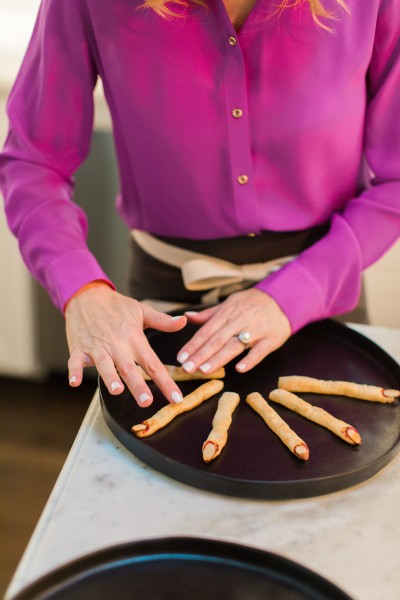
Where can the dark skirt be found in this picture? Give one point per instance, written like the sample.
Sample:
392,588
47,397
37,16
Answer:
150,278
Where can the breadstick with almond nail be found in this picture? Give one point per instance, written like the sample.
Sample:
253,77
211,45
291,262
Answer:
278,426
297,383
222,420
179,374
318,415
167,413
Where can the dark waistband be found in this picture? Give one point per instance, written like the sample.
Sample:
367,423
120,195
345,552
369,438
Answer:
244,249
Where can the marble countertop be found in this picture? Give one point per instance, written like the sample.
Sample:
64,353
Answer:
105,496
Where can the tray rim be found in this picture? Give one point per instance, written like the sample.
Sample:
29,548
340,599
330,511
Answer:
249,557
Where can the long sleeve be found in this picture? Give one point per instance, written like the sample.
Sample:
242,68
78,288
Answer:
50,111
311,106
325,279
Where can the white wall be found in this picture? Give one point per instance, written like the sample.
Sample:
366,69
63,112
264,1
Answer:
382,283
17,321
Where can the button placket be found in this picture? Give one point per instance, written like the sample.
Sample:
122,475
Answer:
239,138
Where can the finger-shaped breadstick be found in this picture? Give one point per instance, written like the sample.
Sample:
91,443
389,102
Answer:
213,445
278,425
347,432
166,414
297,383
179,374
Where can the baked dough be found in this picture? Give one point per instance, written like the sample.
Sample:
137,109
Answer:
278,426
297,383
179,374
347,432
166,414
218,436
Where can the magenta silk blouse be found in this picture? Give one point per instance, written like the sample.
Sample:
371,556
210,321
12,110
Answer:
217,134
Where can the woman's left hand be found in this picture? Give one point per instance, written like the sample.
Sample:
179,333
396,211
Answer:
216,342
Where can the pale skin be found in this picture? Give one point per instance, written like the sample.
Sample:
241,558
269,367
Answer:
238,10
105,328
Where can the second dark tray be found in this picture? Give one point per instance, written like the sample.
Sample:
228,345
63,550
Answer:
181,568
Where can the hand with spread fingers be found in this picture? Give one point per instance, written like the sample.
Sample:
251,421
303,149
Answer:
249,319
106,329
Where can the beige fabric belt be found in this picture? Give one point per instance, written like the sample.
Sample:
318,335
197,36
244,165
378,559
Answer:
203,272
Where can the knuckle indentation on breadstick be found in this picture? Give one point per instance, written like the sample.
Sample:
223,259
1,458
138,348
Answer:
179,374
222,420
166,414
298,383
295,444
316,414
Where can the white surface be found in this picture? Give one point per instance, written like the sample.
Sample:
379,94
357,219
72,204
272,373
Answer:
17,19
106,496
18,352
17,323
382,287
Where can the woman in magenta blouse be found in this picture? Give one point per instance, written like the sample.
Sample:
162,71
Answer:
236,125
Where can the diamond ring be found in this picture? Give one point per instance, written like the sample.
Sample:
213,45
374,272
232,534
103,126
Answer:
244,337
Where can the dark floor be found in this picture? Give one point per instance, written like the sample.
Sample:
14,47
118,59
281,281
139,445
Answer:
38,424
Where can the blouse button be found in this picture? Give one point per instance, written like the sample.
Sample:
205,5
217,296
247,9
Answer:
243,179
232,40
237,113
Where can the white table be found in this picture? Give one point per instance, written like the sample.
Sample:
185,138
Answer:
106,496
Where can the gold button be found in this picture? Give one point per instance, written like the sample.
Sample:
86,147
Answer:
237,113
232,40
251,235
242,179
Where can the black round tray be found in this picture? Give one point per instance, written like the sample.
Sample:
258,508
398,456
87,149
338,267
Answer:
255,463
182,568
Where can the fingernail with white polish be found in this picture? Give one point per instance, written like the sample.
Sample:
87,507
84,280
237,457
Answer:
177,317
182,357
191,313
188,366
176,397
115,386
241,367
143,398
205,368
73,379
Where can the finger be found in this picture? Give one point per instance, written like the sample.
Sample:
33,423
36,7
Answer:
76,363
214,332
215,350
159,375
151,364
161,321
230,350
132,376
201,316
257,353
107,371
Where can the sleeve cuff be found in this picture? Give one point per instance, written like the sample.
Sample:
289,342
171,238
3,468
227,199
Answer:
70,273
297,293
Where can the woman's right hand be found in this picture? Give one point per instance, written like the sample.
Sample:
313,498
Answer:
105,329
